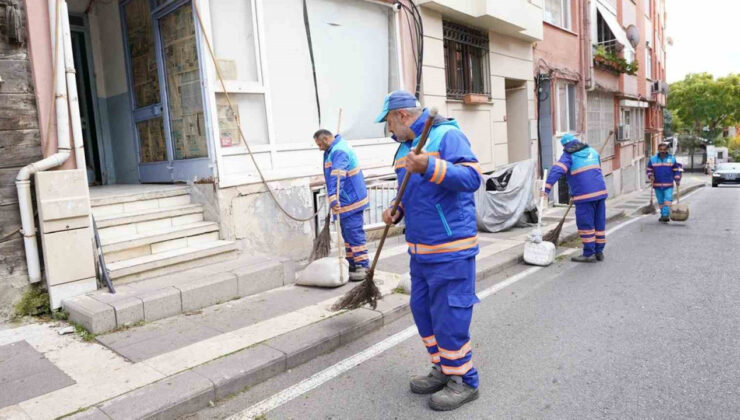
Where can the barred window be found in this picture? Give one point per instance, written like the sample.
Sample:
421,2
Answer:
467,67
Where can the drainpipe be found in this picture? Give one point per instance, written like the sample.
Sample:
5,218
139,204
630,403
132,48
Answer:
23,180
74,107
587,48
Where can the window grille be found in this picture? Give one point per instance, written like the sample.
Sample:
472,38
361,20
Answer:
467,66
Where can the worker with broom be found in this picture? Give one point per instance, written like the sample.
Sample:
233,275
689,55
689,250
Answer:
345,187
441,232
581,165
663,170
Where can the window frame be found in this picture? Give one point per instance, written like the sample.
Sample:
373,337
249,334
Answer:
457,89
566,19
571,101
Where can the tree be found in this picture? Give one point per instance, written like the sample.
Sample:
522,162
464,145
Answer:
705,105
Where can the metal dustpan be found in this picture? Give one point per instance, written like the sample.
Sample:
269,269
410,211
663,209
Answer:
679,212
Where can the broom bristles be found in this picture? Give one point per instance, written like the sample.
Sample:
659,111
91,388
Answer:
364,293
554,235
322,243
649,209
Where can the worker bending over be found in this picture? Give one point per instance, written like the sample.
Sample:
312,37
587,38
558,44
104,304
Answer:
663,170
442,237
581,166
345,187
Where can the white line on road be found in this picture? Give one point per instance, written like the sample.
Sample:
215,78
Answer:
349,363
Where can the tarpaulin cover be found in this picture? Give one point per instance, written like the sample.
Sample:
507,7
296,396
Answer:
505,196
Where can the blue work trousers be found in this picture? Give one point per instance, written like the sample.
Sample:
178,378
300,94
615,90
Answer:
354,240
665,199
591,222
442,299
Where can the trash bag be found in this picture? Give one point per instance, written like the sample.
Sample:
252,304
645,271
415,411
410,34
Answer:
324,272
504,207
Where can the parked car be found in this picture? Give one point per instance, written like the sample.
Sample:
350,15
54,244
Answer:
726,173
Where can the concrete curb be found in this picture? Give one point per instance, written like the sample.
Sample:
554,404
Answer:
194,389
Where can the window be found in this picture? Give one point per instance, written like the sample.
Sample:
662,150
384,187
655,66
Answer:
648,62
604,35
646,3
634,121
720,155
467,67
557,12
566,107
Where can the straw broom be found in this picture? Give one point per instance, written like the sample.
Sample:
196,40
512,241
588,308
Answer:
650,208
367,292
554,235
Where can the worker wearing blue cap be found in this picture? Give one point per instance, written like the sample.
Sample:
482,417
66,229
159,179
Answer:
581,166
441,233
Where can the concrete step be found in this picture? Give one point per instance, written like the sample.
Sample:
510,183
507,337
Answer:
167,262
142,221
143,202
155,241
127,193
186,291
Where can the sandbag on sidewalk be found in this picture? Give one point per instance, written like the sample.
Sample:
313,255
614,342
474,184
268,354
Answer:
324,272
500,203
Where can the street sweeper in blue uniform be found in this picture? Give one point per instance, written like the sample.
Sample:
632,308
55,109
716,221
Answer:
347,194
581,165
441,232
663,171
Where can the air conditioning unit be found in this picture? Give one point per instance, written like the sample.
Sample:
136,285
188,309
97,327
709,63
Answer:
623,132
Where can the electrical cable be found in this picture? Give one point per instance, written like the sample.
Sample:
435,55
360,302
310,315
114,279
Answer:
313,63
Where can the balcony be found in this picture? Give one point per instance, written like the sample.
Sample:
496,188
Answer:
520,19
608,56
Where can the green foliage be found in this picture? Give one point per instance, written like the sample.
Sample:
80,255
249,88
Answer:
83,333
704,104
34,302
610,61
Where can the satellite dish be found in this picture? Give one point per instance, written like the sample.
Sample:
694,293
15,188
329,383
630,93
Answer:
633,35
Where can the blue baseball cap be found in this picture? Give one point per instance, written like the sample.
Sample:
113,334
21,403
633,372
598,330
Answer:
567,138
398,99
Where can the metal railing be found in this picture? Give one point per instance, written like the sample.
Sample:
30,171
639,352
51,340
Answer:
380,193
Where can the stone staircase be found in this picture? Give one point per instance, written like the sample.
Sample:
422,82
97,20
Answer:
164,258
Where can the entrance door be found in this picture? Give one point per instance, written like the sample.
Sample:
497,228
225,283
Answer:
167,99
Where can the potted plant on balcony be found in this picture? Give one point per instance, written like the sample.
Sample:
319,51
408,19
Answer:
611,62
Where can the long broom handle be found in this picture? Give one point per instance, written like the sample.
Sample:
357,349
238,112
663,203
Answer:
337,223
542,201
402,190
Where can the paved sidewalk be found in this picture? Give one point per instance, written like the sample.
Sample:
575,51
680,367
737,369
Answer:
178,365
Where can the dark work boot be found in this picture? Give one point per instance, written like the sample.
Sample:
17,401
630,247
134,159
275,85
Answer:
600,256
429,383
452,396
664,219
584,259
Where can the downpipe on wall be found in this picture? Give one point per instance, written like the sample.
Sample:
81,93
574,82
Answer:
23,179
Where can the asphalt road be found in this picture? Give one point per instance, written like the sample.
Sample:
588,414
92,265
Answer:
652,332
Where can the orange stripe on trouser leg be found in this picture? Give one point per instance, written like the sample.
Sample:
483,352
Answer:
457,370
434,358
455,354
429,341
361,258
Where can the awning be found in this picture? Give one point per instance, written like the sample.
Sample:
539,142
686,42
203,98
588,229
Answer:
615,27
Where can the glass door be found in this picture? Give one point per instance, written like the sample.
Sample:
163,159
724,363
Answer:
166,94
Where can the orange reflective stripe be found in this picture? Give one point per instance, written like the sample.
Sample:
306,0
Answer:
457,370
565,168
354,206
362,258
601,232
584,169
455,354
353,172
434,358
588,240
332,197
601,241
429,341
473,165
443,165
359,248
436,171
586,232
400,163
453,246
585,196
327,165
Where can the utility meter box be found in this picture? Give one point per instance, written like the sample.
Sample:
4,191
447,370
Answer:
63,202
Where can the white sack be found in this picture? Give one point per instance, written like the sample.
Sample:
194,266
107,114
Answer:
324,272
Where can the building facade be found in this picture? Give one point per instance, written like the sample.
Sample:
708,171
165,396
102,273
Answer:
222,97
616,82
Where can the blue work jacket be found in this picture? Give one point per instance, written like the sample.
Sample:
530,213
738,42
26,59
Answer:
581,165
664,171
341,162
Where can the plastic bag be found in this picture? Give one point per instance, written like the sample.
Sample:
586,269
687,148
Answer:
324,272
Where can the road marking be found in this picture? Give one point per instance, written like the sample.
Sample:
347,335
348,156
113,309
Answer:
320,378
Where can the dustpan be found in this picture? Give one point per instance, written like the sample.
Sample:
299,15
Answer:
679,212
